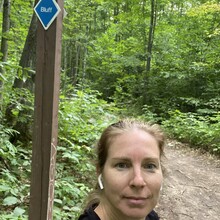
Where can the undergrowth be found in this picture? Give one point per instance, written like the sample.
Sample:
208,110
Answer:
198,130
82,116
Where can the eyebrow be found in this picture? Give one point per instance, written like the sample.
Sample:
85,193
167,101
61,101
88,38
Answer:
128,159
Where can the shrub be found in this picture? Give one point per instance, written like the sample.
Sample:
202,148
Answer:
195,129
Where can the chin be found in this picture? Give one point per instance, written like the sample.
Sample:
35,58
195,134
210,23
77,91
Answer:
136,213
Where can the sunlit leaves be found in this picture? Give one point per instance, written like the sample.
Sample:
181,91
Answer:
10,201
196,129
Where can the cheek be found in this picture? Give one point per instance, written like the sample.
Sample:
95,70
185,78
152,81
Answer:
113,183
156,184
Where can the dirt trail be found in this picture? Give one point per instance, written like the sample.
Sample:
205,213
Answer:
191,185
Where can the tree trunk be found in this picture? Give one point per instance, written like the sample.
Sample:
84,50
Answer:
76,65
27,63
5,30
149,48
116,13
151,34
28,58
4,40
1,4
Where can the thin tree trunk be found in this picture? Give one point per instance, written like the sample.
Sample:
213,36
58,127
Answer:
1,5
4,41
84,57
116,13
144,26
149,48
5,30
151,34
76,67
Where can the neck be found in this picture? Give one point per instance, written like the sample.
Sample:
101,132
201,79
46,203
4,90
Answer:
105,213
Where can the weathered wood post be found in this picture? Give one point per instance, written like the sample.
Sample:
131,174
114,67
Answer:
47,85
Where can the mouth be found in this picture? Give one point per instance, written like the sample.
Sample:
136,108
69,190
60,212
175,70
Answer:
135,201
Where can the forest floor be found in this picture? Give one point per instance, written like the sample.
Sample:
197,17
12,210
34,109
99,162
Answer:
191,188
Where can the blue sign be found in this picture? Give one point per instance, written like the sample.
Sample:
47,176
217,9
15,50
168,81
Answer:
47,11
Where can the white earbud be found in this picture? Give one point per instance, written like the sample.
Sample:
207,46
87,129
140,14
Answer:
100,181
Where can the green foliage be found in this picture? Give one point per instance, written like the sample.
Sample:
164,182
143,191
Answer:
128,92
14,169
195,129
21,12
84,110
185,60
82,117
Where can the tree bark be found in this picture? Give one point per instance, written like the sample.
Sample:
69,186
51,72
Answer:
151,34
27,63
4,40
5,30
149,45
28,58
1,5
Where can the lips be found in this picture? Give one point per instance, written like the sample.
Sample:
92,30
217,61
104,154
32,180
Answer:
135,201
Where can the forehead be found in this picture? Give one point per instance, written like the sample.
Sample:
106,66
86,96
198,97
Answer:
132,143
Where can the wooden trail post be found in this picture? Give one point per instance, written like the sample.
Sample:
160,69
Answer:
47,85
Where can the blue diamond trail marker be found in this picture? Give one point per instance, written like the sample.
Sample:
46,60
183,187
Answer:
47,11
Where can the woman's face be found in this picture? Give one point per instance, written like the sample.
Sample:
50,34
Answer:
132,175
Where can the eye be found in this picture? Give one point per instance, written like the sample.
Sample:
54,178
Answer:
150,166
122,165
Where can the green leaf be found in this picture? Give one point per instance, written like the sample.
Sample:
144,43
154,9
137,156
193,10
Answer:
18,211
10,200
59,201
4,188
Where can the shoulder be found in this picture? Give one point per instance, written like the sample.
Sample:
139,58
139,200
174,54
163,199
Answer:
89,214
153,216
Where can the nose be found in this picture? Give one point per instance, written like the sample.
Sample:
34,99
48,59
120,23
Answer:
137,179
